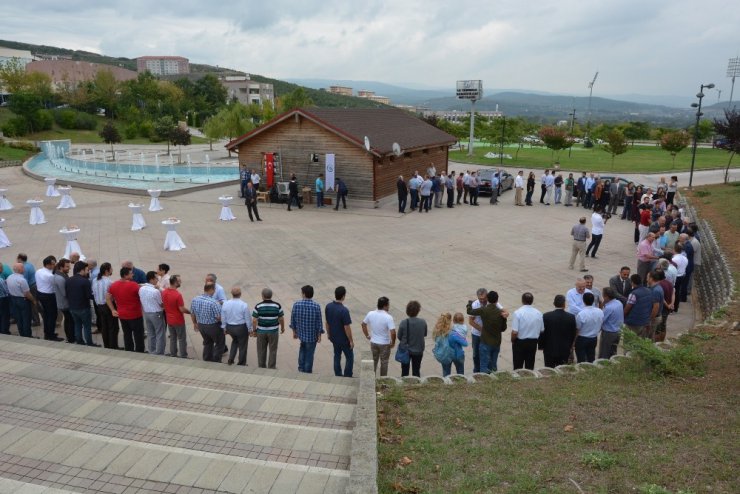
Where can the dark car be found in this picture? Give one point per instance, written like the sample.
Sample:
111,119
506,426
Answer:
485,176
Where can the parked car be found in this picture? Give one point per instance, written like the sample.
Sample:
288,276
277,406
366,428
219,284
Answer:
485,175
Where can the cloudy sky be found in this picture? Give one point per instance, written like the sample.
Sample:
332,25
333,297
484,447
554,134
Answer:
638,46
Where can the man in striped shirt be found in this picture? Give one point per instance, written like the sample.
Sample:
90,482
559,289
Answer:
267,318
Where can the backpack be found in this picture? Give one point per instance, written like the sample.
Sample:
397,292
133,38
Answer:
443,352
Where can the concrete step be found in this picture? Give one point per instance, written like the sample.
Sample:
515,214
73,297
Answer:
93,420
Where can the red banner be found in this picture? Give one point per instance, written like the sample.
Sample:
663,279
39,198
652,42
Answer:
270,169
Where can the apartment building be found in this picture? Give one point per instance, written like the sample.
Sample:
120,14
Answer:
163,65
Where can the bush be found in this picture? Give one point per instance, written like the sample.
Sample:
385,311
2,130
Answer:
42,120
146,129
75,120
682,360
25,145
15,127
131,131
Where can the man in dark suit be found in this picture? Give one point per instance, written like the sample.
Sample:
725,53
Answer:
293,196
557,339
250,200
621,285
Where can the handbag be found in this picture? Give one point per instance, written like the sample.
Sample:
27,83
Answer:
402,352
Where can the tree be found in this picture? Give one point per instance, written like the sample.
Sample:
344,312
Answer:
298,98
13,75
675,142
730,129
179,136
110,135
230,122
706,129
637,130
163,128
616,144
105,91
555,139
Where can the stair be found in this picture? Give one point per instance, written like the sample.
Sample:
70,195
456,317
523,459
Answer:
75,419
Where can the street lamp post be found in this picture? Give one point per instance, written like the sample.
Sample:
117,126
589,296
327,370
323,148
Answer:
503,133
699,95
572,125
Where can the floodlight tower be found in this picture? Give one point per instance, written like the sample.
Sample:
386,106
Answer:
733,70
700,95
587,140
473,91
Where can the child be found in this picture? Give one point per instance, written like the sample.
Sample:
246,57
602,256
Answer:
459,326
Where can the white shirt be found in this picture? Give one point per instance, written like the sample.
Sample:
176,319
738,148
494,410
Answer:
549,180
518,182
589,321
45,280
597,224
17,285
255,179
164,282
574,300
235,312
466,179
100,288
527,323
681,262
381,324
151,298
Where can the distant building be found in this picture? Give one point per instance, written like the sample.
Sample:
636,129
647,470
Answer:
163,65
70,73
7,54
364,93
248,91
343,90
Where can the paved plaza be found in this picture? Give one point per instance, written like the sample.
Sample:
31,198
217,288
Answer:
438,258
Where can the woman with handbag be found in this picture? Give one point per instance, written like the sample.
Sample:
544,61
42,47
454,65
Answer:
411,334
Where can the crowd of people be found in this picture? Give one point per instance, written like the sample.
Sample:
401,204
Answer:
147,306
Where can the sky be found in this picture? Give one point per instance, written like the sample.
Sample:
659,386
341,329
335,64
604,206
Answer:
651,47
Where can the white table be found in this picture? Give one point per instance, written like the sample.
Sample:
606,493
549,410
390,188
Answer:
226,214
172,241
37,216
138,221
4,202
70,236
4,242
154,204
51,191
67,202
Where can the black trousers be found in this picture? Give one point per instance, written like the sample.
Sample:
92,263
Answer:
544,191
554,359
524,352
402,203
595,242
450,198
343,198
69,326
133,334
48,303
679,288
213,342
414,363
108,326
252,208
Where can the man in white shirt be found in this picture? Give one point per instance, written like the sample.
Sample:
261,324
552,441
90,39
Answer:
466,186
255,177
526,327
151,306
574,297
589,322
237,323
519,188
47,298
379,328
219,295
21,299
476,325
414,184
597,232
549,186
681,262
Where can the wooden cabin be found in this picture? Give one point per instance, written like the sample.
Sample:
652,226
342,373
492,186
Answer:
303,137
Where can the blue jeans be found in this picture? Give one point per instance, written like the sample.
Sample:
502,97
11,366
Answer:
319,199
82,318
305,356
349,356
585,349
476,353
488,358
459,367
21,308
414,198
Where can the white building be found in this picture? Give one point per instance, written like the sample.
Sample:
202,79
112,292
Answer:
247,91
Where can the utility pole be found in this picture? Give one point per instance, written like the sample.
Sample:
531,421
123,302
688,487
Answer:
572,126
587,140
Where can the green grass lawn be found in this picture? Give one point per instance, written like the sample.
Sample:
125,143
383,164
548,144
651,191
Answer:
12,154
638,159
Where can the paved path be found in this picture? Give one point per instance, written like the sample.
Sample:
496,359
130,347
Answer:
438,258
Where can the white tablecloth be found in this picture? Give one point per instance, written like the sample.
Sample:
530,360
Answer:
4,242
226,214
4,203
72,245
51,191
66,201
37,216
172,241
138,221
154,205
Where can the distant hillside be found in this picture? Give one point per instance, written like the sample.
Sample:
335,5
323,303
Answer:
81,55
397,94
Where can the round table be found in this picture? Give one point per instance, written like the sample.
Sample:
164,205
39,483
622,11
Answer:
66,201
138,222
37,216
51,191
4,202
4,242
226,214
72,246
154,205
172,241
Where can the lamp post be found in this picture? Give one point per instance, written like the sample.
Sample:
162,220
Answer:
503,134
572,125
699,95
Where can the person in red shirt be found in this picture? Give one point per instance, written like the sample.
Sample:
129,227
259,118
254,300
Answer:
174,308
123,300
